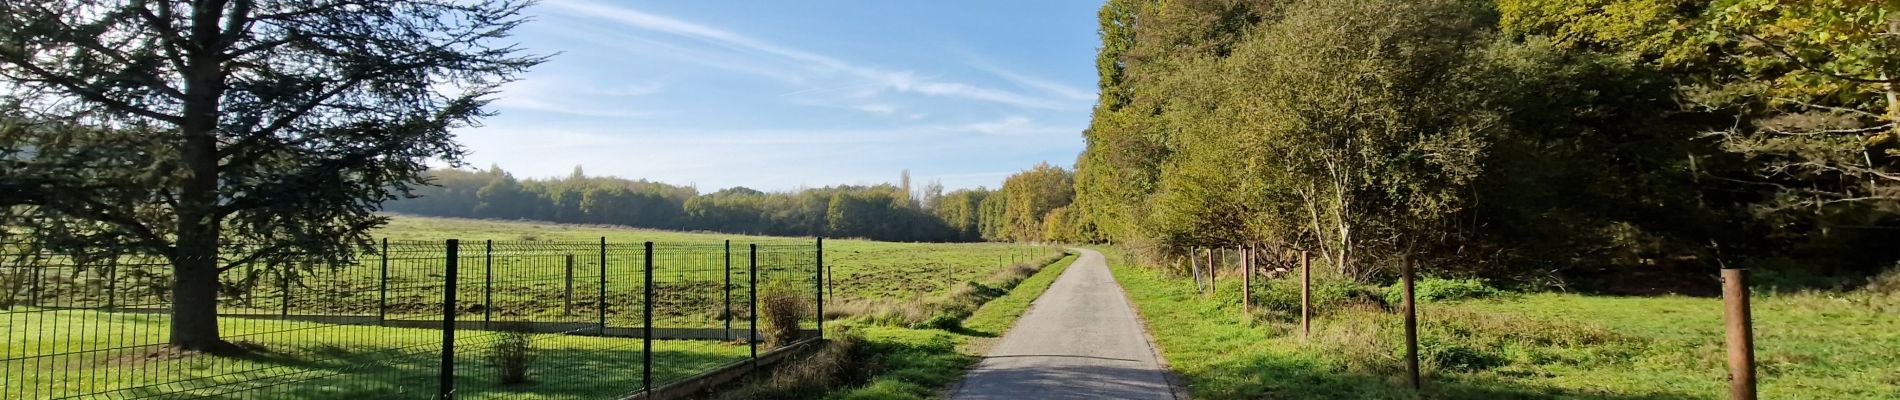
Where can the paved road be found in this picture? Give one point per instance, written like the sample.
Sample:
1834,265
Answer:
1080,340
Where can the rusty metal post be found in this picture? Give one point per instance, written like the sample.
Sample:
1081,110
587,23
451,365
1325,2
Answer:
1306,295
1741,337
1411,326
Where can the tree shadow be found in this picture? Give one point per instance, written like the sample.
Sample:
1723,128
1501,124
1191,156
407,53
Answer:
338,372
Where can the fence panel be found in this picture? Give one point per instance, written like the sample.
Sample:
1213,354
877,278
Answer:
571,317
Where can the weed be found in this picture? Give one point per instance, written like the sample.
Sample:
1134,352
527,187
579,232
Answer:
783,305
513,353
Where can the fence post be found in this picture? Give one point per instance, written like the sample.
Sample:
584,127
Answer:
1411,325
1306,295
1741,340
1213,270
820,285
112,282
567,291
1246,279
488,283
602,306
646,325
752,311
728,289
446,381
1194,267
283,305
39,272
382,286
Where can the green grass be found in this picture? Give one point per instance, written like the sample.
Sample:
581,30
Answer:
1809,346
861,269
321,361
343,361
918,363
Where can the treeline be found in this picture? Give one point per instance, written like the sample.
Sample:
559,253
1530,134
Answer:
1537,141
881,212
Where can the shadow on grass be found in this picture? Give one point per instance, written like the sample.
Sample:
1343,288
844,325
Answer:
332,372
1271,377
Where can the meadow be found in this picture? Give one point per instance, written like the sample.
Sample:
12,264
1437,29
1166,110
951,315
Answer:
1809,345
57,352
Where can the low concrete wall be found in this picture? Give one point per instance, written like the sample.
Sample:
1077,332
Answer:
698,384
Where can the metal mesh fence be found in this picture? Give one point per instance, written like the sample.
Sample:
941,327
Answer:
405,320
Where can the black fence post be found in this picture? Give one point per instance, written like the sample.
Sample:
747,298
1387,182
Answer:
728,290
646,325
752,311
446,381
603,286
820,285
488,283
112,282
284,303
382,287
39,272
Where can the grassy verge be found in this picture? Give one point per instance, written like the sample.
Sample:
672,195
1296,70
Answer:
1810,345
918,362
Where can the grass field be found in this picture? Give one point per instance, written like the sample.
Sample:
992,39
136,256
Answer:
62,351
1809,346
861,269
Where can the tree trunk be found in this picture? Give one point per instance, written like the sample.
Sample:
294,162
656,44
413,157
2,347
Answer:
195,261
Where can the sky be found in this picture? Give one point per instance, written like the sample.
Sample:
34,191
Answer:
784,95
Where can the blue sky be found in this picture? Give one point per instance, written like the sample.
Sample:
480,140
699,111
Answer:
781,95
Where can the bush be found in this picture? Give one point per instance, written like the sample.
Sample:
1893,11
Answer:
1436,289
512,355
783,305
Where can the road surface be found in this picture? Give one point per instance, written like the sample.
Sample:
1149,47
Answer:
1080,340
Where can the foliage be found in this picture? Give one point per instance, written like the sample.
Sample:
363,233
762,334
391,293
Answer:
176,126
1538,143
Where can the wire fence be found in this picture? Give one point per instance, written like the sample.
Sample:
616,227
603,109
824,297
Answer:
405,320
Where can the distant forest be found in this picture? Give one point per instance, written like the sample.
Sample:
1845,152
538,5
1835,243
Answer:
1030,206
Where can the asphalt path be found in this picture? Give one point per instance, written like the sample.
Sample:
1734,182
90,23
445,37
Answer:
1080,340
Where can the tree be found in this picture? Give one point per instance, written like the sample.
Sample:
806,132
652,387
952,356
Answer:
279,124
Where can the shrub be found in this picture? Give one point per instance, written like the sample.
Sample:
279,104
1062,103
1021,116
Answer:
1437,289
783,305
512,355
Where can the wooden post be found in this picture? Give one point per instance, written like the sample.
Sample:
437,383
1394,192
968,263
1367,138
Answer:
1306,295
1246,280
1213,270
1411,325
567,295
1741,338
1194,266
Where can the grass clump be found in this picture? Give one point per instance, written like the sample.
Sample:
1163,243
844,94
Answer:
512,354
1439,289
783,305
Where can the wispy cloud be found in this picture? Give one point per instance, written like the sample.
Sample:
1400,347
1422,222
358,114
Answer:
554,95
1053,87
881,79
881,109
